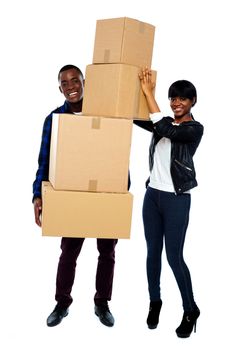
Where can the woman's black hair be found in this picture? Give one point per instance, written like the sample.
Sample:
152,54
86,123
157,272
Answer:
183,88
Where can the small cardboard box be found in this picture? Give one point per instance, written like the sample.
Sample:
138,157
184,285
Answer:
114,90
90,153
85,214
123,40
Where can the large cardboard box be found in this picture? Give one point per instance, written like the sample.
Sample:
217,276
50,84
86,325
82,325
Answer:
90,153
85,214
114,90
123,40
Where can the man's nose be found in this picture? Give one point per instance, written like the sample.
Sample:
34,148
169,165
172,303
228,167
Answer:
70,84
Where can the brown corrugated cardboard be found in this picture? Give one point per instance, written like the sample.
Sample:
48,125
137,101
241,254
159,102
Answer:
123,40
85,214
114,90
90,153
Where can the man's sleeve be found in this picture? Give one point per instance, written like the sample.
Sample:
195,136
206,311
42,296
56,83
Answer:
43,159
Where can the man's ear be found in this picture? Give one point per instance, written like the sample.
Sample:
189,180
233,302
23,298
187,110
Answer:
60,89
193,101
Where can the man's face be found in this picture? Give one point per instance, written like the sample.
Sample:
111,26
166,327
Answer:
71,85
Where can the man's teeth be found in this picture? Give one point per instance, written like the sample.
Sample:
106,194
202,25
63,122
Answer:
72,93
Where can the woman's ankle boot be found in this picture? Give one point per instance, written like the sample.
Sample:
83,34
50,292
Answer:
189,321
153,315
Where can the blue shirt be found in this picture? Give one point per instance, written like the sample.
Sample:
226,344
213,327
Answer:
43,159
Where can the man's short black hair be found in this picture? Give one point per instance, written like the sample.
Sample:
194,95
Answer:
70,66
183,88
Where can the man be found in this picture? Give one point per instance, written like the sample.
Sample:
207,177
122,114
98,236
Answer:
71,85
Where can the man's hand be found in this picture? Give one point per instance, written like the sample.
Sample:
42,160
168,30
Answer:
38,211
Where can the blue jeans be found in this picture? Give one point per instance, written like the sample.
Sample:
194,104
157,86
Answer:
165,217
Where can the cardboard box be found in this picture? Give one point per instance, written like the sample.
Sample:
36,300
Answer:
114,90
85,214
90,153
124,40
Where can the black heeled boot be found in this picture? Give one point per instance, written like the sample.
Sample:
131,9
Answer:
189,321
153,315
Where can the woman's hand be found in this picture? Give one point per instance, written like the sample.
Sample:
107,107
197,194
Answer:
145,76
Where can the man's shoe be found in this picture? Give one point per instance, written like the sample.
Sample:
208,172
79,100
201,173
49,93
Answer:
56,316
104,314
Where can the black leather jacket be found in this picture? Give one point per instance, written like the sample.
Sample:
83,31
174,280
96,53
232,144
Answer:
185,139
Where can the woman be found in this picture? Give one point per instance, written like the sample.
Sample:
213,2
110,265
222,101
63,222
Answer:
167,199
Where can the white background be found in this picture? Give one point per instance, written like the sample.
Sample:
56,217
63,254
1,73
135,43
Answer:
201,41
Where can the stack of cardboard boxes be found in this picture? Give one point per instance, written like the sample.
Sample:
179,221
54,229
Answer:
122,47
87,193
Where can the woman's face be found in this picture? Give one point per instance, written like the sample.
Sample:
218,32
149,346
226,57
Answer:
181,106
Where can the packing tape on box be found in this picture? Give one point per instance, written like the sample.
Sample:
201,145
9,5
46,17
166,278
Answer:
141,27
136,105
96,123
106,56
92,185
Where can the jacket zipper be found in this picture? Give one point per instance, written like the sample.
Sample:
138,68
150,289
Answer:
183,165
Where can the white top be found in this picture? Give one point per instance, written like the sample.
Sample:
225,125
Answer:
160,177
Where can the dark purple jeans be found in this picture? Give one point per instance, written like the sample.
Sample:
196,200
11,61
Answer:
71,248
